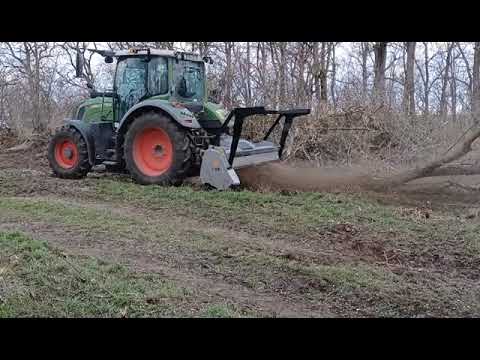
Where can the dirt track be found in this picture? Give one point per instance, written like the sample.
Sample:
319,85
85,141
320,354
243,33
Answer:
257,266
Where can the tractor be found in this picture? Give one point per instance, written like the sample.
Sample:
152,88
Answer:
158,125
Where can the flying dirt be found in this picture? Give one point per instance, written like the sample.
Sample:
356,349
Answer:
285,177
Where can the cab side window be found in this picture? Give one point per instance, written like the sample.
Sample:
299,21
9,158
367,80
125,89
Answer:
158,76
130,82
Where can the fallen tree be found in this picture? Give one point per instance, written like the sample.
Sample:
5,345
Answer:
437,167
456,170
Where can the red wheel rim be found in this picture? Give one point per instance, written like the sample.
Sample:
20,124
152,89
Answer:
66,154
153,151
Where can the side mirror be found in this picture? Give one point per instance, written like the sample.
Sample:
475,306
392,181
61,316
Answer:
208,60
94,94
108,59
79,65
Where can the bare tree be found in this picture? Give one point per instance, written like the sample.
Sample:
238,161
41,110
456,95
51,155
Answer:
365,47
228,99
445,80
476,80
203,48
380,50
279,55
424,72
453,87
28,59
323,72
316,71
334,76
248,99
409,89
70,51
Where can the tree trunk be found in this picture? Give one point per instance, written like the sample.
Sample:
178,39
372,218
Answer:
3,121
379,70
247,74
365,50
427,81
316,72
38,124
457,170
453,90
228,102
409,90
443,96
323,73
274,88
333,80
476,81
264,72
300,98
283,76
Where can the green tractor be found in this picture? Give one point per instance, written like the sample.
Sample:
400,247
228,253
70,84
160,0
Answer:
158,125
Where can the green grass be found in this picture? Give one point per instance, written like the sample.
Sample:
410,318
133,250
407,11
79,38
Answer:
352,286
219,311
301,211
304,215
38,281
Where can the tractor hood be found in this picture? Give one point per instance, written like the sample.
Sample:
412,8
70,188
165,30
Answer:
214,111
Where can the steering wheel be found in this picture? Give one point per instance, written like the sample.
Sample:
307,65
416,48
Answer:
182,89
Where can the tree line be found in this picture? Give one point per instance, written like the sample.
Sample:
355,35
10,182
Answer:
37,83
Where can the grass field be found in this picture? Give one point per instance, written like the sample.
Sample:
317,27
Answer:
105,247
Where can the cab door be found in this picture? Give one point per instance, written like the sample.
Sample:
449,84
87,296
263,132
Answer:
130,84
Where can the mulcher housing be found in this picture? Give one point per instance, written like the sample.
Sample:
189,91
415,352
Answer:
185,134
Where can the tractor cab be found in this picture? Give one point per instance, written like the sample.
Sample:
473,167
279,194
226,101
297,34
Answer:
159,74
175,77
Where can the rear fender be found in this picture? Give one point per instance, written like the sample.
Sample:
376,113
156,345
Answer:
181,115
84,129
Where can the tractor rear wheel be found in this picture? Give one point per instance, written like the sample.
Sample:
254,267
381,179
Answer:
67,154
157,150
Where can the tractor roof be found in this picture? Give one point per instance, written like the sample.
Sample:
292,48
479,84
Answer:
153,52
158,52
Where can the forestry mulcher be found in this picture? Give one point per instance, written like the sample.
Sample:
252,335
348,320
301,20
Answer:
158,124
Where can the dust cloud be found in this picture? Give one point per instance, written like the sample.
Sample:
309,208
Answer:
285,177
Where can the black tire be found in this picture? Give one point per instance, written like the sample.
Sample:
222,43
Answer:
181,154
81,166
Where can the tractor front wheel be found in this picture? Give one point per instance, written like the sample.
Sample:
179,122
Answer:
157,150
67,154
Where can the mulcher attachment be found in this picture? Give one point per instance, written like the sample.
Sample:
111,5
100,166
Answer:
232,152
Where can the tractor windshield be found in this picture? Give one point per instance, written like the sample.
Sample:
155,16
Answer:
190,82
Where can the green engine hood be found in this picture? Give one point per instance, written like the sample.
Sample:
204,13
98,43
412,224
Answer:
214,111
